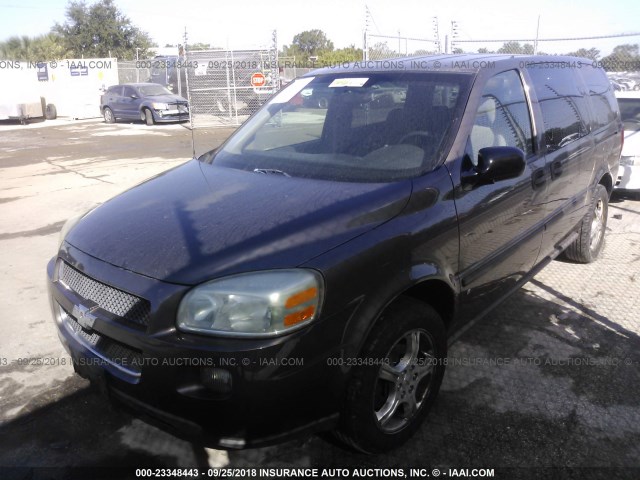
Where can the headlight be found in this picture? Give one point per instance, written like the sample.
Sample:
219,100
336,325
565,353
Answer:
160,106
260,304
630,161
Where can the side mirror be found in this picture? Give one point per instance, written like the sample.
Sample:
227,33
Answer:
134,96
494,164
207,156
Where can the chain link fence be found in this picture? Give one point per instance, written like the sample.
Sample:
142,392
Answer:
132,71
622,63
380,47
224,87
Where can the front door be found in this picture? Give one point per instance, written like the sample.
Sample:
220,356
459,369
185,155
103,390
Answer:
500,224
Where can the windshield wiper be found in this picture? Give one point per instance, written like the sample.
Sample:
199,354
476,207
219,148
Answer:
267,171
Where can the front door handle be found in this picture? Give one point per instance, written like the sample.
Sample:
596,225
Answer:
538,178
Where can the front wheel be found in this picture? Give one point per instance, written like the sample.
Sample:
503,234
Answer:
396,383
590,241
147,116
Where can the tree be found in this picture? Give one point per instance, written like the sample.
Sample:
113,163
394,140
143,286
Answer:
515,48
201,46
342,55
312,42
381,50
101,30
623,58
592,53
42,48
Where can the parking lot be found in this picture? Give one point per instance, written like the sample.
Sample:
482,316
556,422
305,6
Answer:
547,384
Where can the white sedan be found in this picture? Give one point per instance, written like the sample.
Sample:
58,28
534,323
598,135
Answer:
629,172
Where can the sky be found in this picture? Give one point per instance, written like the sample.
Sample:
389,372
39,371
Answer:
249,23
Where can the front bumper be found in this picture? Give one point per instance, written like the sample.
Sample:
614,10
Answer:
278,386
175,113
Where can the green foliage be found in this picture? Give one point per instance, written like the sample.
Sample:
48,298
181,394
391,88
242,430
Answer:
312,43
592,53
516,49
342,55
201,46
381,50
623,58
101,30
41,48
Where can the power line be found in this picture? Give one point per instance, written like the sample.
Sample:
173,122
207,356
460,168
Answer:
636,34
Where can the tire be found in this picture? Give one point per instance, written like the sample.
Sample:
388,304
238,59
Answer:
51,113
386,402
148,116
590,242
323,102
108,115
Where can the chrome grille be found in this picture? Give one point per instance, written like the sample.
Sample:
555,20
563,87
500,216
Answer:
123,304
116,353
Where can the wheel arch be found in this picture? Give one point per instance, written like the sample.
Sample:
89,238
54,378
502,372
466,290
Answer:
436,293
426,283
607,182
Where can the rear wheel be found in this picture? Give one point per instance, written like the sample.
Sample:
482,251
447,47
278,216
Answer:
396,383
108,115
589,244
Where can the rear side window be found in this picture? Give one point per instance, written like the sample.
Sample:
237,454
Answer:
115,90
600,96
503,117
562,105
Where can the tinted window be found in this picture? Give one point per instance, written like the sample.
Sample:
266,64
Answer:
115,90
562,105
128,91
368,127
503,117
600,95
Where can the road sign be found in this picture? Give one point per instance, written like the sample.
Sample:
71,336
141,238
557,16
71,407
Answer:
258,80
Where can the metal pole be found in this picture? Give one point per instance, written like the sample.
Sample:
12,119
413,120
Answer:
235,88
535,44
193,142
365,47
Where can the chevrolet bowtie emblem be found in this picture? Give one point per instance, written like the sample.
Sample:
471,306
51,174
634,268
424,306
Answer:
84,316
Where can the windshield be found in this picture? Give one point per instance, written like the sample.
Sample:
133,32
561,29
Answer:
371,127
151,90
630,113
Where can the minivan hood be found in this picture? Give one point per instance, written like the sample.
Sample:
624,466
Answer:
198,221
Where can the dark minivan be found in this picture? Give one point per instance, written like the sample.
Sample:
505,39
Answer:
308,273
